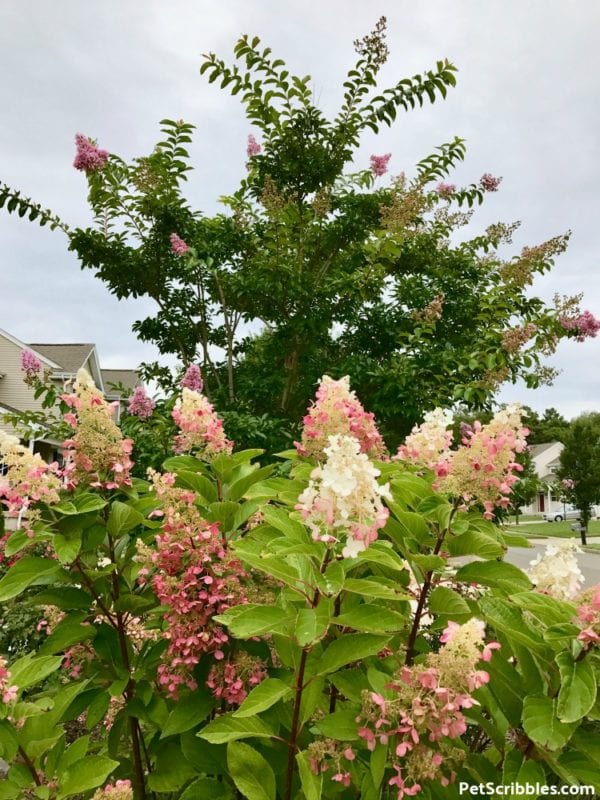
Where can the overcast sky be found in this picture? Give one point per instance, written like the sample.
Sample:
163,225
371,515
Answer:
527,101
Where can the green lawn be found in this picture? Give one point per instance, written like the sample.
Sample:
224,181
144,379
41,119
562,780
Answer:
560,529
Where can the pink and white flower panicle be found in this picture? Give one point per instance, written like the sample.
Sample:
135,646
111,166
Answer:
588,616
343,501
428,444
27,479
119,790
8,692
421,711
337,410
201,428
97,453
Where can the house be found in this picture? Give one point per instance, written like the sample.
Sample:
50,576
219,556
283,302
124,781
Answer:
546,460
62,362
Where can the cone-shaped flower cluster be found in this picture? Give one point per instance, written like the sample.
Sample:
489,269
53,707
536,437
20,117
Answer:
89,158
120,790
201,428
140,405
428,444
422,709
556,571
194,577
588,615
27,480
97,453
337,410
231,680
343,501
8,692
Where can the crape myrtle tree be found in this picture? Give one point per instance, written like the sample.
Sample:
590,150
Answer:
579,470
320,263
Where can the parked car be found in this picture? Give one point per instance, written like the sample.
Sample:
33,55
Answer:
567,512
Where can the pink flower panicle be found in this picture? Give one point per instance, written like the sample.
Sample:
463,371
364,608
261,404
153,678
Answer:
192,379
140,405
89,158
379,164
30,364
8,692
489,183
445,189
588,617
231,680
120,790
585,325
428,444
178,246
253,148
423,708
484,469
97,453
27,480
338,411
194,577
201,428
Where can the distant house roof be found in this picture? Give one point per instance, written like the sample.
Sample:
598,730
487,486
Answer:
70,357
538,449
128,377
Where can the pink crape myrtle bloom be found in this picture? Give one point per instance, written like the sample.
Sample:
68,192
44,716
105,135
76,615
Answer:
192,379
489,183
140,405
337,411
253,148
379,164
30,364
89,158
585,325
445,189
178,246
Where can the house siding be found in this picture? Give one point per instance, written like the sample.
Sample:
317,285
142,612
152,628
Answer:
13,390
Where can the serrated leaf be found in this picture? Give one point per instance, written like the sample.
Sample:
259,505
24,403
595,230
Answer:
542,725
228,728
371,619
349,648
263,696
250,772
86,774
578,688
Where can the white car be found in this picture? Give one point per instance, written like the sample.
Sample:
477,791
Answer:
559,516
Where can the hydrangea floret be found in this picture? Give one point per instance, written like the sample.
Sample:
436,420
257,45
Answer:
201,428
484,469
343,501
97,453
428,444
120,790
588,616
27,479
338,411
556,571
194,577
8,692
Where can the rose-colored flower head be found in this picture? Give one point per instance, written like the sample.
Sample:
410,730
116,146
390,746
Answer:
140,405
445,189
253,148
337,410
178,246
489,183
89,158
585,325
192,379
97,453
201,428
379,164
30,364
8,692
27,479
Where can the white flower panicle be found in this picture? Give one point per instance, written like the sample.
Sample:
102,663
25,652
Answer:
343,498
556,572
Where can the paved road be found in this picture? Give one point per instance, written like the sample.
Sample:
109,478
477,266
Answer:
589,563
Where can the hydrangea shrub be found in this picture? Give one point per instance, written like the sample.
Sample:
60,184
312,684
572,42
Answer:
329,622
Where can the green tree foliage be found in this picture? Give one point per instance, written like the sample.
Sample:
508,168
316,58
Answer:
316,264
580,465
550,427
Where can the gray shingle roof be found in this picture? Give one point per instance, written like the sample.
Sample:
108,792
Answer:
128,377
71,357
